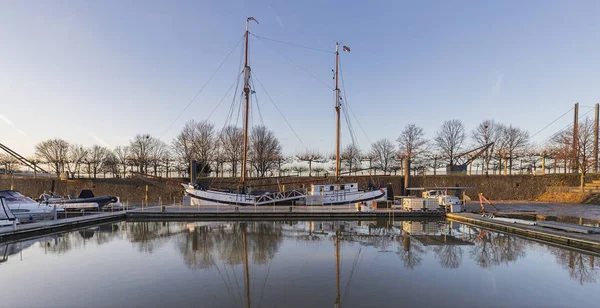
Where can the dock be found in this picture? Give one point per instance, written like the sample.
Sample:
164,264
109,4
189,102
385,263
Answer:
286,213
216,213
550,232
574,236
50,227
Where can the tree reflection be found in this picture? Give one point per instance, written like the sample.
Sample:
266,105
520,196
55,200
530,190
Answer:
410,252
197,246
98,235
203,246
151,235
494,249
449,255
582,268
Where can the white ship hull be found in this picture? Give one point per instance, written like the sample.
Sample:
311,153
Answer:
214,197
337,197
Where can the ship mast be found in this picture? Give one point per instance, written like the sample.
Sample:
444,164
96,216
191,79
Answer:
247,95
337,111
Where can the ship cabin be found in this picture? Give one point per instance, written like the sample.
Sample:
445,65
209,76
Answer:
333,189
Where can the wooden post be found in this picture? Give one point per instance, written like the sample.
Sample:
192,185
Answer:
406,175
544,162
470,166
574,154
596,119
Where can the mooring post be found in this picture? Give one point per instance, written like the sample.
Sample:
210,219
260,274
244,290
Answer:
574,159
596,119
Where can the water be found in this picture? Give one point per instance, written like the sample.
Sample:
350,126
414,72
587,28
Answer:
203,264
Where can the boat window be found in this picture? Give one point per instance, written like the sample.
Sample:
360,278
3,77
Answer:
331,188
342,187
19,210
14,196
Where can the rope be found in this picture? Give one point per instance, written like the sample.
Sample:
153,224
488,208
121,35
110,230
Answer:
350,108
552,122
258,107
280,113
295,64
202,88
561,130
236,81
292,44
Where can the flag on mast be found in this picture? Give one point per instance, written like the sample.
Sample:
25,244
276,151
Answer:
346,48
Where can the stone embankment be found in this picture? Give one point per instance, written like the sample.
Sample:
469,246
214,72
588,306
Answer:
494,187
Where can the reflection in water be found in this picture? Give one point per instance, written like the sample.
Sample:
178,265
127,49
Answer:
241,254
492,249
581,267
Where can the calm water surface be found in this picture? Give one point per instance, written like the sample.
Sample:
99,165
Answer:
297,264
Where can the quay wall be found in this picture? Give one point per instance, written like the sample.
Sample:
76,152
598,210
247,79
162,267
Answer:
494,187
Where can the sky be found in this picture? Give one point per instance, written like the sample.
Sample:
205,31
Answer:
100,72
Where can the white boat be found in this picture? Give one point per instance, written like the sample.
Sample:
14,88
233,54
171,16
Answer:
442,195
214,197
242,196
7,218
85,201
27,209
329,194
342,194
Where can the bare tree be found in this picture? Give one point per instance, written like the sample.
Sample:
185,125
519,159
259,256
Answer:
351,157
96,157
310,157
9,163
122,155
167,162
514,140
449,139
53,152
183,144
140,150
299,169
318,170
111,164
231,140
585,144
76,157
412,142
485,133
204,145
158,153
264,150
383,153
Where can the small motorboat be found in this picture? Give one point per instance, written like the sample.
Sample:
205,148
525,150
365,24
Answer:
7,218
26,209
85,201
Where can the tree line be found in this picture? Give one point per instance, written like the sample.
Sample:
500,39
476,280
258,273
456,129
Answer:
219,153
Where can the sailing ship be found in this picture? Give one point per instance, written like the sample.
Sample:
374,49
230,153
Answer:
318,194
241,196
341,193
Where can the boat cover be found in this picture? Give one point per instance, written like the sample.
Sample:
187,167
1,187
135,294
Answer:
5,213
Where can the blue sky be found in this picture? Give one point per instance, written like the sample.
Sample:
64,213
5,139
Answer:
102,71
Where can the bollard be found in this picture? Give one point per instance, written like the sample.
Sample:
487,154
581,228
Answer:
15,225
